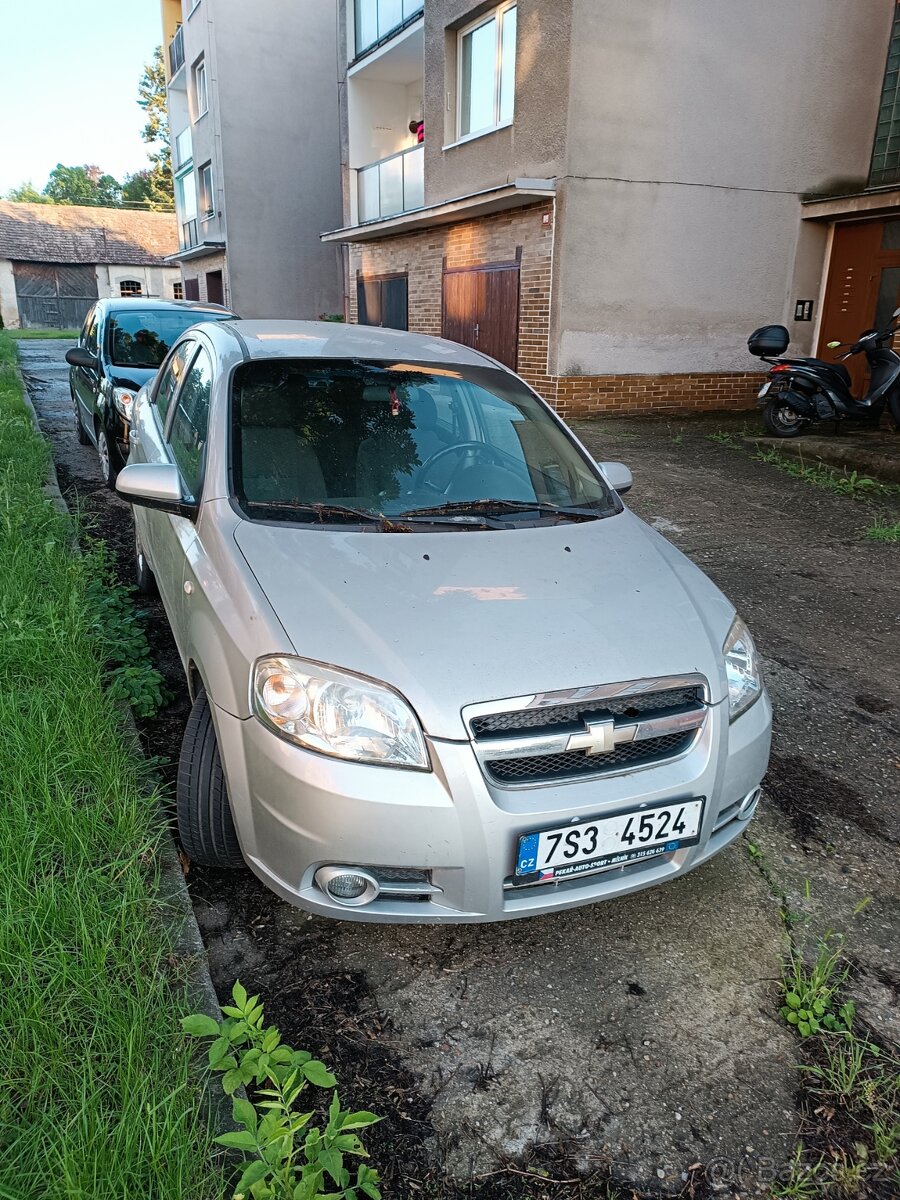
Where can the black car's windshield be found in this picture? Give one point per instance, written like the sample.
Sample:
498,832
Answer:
403,442
142,337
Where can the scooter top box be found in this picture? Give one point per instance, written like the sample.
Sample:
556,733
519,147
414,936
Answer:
768,340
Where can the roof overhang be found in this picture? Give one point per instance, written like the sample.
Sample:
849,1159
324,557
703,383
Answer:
478,204
200,251
859,205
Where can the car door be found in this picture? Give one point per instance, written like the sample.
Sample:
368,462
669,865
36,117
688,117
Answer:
85,382
187,431
148,444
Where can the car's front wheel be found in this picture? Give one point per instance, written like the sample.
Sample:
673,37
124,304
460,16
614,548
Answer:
108,466
205,824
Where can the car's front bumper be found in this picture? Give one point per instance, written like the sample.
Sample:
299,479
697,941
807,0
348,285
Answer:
296,811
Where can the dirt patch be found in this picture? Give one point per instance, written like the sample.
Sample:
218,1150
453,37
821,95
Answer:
811,799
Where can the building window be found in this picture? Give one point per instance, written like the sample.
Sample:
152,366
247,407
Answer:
487,71
130,287
207,199
178,290
886,152
375,19
201,102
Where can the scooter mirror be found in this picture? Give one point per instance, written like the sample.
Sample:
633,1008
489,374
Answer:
896,312
833,345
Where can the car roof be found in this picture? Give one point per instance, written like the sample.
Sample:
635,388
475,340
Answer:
333,339
144,302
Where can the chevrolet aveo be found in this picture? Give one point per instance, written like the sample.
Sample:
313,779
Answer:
439,672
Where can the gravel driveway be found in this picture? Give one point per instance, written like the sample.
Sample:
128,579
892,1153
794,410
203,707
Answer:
641,1035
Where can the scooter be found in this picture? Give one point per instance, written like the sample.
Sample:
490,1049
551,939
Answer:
799,391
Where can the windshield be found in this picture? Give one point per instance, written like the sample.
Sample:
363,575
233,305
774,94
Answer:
346,441
142,337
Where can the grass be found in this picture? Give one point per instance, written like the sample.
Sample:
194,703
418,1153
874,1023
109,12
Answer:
24,335
96,1098
881,532
844,483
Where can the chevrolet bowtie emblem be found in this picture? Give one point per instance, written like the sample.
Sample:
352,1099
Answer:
600,737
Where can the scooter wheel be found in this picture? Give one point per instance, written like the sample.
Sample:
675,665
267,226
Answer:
781,421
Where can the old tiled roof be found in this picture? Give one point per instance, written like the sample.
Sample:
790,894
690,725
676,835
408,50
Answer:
64,233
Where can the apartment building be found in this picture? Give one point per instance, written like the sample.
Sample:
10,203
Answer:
254,127
609,196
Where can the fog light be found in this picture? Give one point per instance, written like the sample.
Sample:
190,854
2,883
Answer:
347,885
748,804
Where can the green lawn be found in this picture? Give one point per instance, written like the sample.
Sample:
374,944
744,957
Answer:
96,1102
23,335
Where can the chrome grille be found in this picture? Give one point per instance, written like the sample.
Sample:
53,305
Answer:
563,736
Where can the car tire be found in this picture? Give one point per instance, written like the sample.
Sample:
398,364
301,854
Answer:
205,825
109,469
144,578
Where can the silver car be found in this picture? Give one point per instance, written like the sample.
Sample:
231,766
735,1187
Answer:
439,672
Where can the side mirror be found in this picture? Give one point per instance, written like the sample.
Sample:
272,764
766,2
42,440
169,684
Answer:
833,345
155,485
896,312
78,357
617,475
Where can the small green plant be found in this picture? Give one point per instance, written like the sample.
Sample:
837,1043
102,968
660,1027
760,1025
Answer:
118,627
290,1157
881,532
810,993
724,438
852,484
801,1182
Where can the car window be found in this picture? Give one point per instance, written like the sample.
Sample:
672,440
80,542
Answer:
170,377
390,439
142,337
89,332
187,437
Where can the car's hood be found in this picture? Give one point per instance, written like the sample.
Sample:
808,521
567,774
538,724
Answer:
455,618
130,377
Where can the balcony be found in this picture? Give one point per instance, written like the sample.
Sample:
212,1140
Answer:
176,52
189,235
377,20
391,186
183,148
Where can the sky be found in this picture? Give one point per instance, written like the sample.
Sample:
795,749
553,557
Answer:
69,71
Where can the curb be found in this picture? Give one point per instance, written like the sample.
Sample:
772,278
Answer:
173,892
847,453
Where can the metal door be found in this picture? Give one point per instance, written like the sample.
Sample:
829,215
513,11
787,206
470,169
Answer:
481,309
383,300
53,295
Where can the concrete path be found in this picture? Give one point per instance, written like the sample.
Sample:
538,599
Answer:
644,1032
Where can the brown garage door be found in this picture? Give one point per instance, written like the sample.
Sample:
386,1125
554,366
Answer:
54,295
481,309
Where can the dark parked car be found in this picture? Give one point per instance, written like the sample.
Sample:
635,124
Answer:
120,348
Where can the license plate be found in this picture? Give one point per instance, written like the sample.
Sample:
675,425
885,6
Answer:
610,841
764,390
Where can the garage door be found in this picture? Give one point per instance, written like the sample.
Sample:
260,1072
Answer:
481,309
53,295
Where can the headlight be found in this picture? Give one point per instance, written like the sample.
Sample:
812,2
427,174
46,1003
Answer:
337,713
742,669
123,400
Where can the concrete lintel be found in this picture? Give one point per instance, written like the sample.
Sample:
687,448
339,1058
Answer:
863,204
201,251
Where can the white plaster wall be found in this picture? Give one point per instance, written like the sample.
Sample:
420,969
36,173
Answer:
9,306
379,115
156,282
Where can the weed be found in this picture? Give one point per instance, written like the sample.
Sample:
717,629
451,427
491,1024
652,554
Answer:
723,438
883,532
292,1158
802,1182
26,335
809,993
852,484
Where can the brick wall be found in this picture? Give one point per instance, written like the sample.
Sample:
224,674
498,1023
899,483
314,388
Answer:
498,238
196,269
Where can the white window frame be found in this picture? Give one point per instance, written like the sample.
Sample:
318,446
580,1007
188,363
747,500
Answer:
206,214
177,289
198,69
126,287
495,14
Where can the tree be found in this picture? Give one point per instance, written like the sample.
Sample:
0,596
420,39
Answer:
159,193
26,193
82,185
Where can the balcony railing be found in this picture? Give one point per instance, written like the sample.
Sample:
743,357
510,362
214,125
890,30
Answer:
176,51
189,234
375,19
393,185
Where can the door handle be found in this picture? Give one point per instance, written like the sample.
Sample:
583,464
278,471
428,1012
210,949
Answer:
477,330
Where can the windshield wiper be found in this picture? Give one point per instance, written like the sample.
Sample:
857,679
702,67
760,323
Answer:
324,512
502,506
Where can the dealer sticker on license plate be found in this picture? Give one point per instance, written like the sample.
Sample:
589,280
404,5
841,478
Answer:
610,841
